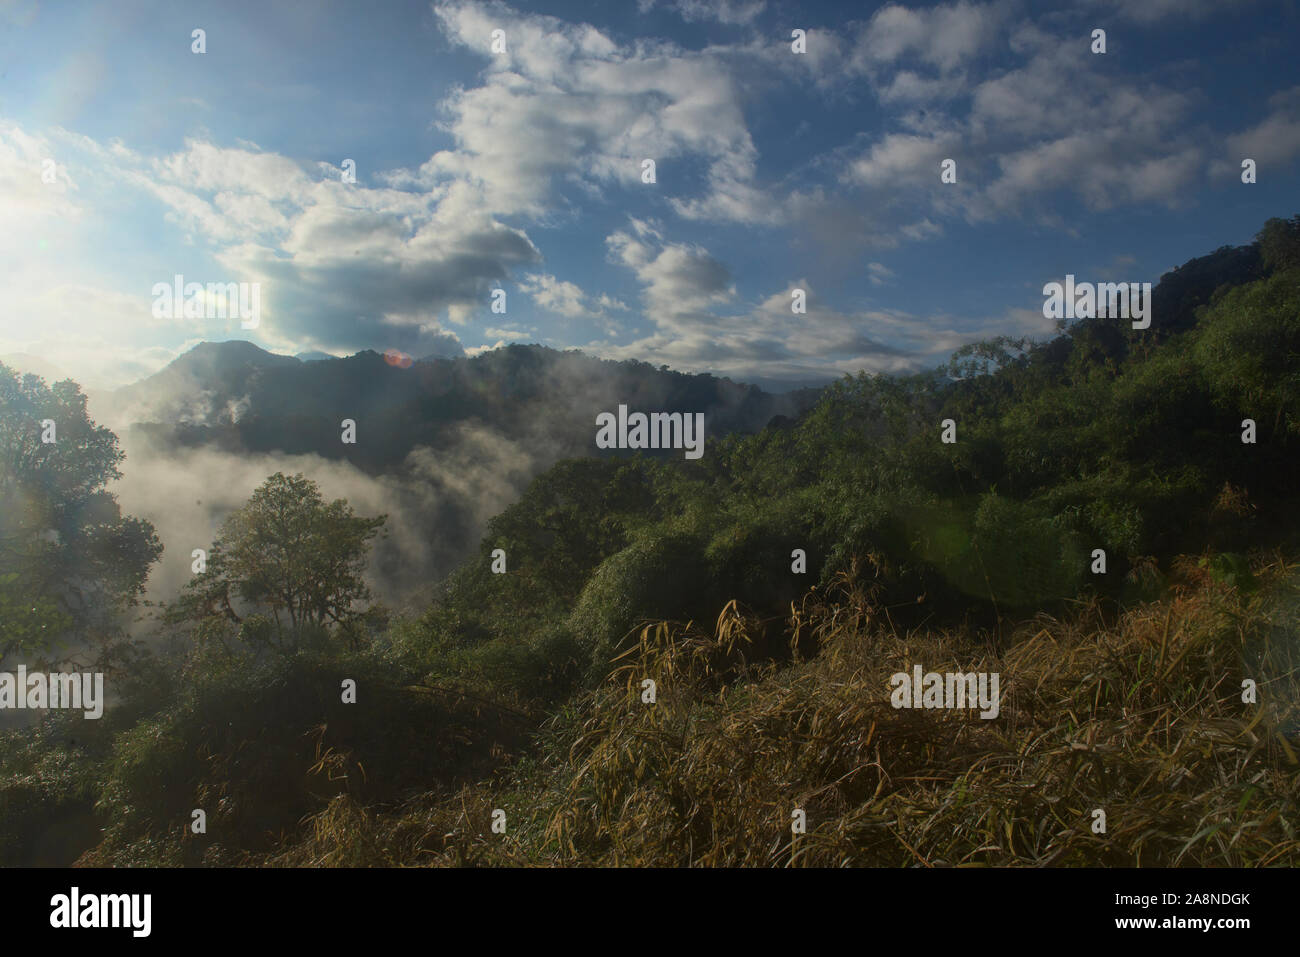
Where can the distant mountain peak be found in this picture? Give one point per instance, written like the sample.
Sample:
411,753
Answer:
229,346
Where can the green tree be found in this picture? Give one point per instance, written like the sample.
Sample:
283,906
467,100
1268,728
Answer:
284,567
1279,243
70,562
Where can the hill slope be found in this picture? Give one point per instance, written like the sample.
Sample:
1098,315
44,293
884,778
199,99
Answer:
238,396
1113,533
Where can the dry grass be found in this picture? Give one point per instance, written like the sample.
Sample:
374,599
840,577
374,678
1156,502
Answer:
1141,717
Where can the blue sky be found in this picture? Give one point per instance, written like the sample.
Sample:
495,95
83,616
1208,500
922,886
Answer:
522,171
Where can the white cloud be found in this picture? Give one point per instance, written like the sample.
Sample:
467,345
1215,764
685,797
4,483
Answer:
32,206
879,273
1057,123
565,298
590,111
900,157
908,87
769,342
1272,143
400,257
723,11
685,288
342,266
682,281
944,36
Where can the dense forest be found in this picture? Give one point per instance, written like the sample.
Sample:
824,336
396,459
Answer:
441,445
1113,531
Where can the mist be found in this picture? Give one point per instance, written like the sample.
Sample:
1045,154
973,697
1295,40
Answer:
443,446
437,503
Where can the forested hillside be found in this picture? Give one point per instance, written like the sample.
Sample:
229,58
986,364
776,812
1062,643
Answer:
241,398
1111,529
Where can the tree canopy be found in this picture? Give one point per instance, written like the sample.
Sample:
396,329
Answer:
70,562
285,566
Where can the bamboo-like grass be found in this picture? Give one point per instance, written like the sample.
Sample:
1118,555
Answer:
1140,717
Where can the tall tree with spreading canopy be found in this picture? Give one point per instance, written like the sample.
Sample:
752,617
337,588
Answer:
284,566
70,562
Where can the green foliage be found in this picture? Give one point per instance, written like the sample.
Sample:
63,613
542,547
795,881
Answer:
1234,570
259,747
1029,563
47,793
1279,243
30,622
70,562
658,571
286,568
1248,347
1102,438
975,552
1141,715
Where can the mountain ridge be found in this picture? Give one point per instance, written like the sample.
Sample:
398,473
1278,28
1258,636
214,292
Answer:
243,396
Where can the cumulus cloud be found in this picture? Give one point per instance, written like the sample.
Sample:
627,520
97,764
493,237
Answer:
944,37
562,297
343,266
900,157
1273,141
401,257
685,288
1020,146
682,281
589,110
406,258
730,12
